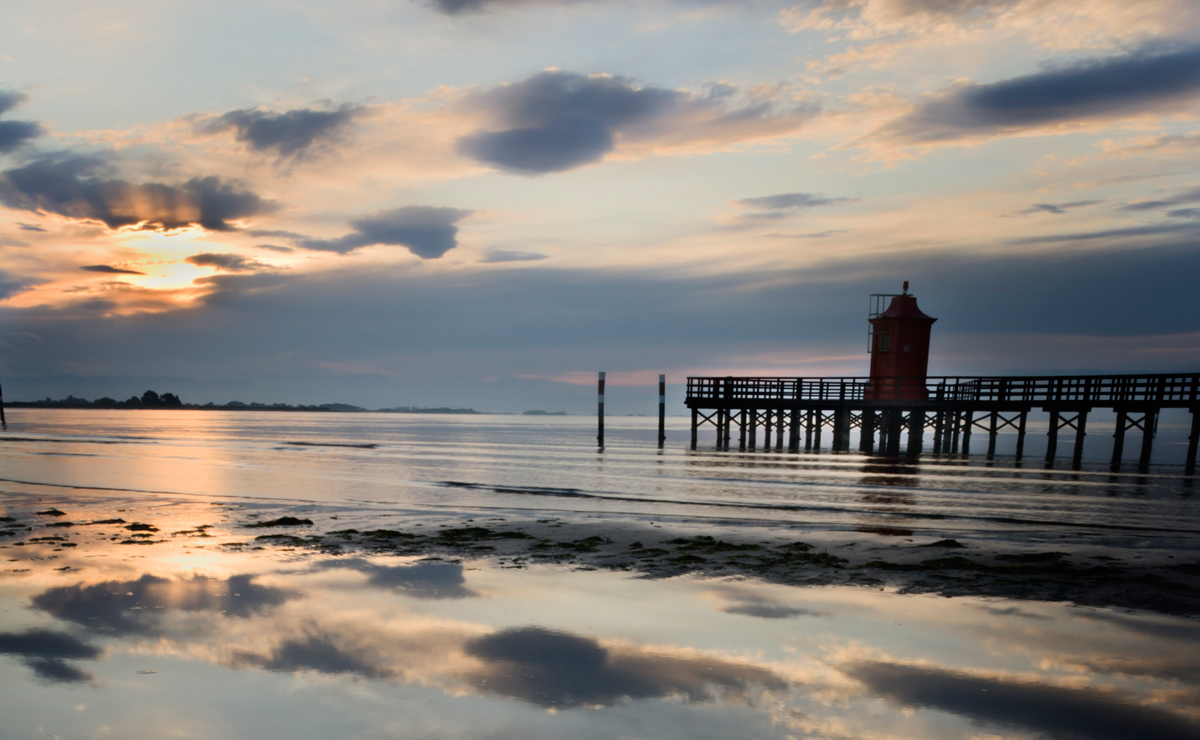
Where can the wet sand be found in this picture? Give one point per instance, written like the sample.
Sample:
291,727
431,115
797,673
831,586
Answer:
1085,567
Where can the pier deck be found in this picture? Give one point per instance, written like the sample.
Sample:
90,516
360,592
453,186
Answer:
952,408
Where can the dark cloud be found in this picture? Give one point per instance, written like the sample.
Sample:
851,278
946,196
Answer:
1144,81
427,231
561,670
132,607
30,227
11,284
226,262
1050,711
786,204
427,580
1058,208
556,121
766,611
109,269
1185,197
13,134
493,256
289,133
46,652
75,187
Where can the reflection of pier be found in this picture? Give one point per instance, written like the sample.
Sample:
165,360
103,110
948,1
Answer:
951,409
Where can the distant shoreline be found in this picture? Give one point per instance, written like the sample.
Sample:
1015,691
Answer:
330,407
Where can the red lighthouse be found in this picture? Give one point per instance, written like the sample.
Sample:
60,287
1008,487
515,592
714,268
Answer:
899,349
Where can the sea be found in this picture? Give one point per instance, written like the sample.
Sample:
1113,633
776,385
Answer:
189,640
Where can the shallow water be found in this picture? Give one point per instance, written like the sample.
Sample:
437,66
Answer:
552,464
191,637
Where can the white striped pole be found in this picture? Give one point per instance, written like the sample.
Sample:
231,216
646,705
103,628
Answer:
600,412
662,410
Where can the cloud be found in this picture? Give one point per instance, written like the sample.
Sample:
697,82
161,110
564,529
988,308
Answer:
783,205
74,186
289,133
13,134
1058,208
421,580
30,227
427,231
318,651
505,255
133,607
560,670
110,270
46,652
1185,197
1146,81
1052,711
556,121
226,262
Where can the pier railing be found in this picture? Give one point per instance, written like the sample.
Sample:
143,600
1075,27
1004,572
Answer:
1167,390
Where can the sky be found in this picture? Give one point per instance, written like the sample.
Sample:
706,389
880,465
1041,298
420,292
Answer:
484,202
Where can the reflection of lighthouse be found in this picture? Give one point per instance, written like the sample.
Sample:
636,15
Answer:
899,349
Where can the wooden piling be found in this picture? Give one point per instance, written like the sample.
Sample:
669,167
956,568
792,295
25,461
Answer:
1149,427
916,433
695,421
939,426
968,425
808,431
841,429
662,410
3,421
1114,464
779,426
794,431
820,417
1080,433
753,443
956,426
742,431
1052,439
1021,436
600,412
894,422
992,434
1189,465
866,441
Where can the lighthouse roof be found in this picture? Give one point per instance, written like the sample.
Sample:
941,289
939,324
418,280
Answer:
905,307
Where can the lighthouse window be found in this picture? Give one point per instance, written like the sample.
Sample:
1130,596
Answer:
885,342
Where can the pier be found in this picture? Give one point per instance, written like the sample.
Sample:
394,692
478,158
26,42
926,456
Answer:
895,415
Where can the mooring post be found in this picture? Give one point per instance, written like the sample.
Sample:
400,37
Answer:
662,410
968,423
1114,464
1052,439
600,412
794,431
1021,436
1189,465
3,421
992,432
1080,433
1149,427
916,433
695,423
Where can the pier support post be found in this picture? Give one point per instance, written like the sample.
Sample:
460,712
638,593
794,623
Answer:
1114,463
728,425
794,432
1149,427
742,431
1021,436
808,430
600,412
695,423
956,426
841,429
1189,464
939,428
992,433
767,419
895,418
753,444
866,441
968,423
779,426
820,415
1080,433
1052,440
916,433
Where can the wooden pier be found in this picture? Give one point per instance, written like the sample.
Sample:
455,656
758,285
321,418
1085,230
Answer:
894,414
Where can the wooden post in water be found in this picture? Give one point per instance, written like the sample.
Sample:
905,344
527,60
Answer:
820,417
753,443
1021,436
1114,464
957,429
968,424
779,423
1080,433
916,433
866,439
1189,465
1052,439
600,412
1149,427
4,422
794,432
808,431
992,432
662,410
695,422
